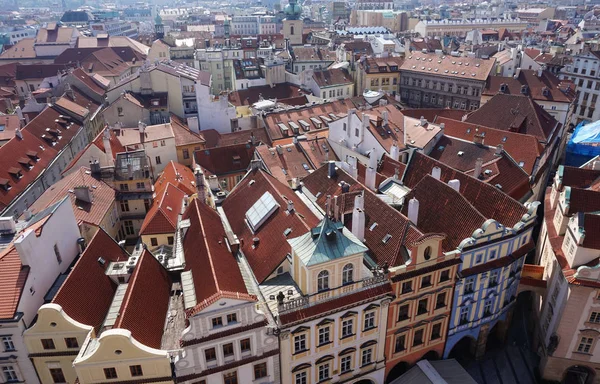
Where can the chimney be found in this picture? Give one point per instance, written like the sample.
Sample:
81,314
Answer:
385,117
596,165
331,169
395,152
290,206
358,221
193,124
478,139
413,210
200,184
499,149
18,133
478,167
19,113
365,123
370,178
454,184
213,182
107,148
142,130
83,193
436,172
255,164
345,187
539,72
442,126
348,120
423,121
328,205
373,159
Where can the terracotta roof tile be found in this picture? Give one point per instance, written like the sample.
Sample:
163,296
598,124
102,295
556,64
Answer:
332,77
591,225
162,216
215,271
251,95
13,276
487,199
178,175
391,64
269,253
92,213
537,86
579,177
515,113
38,71
522,148
430,114
224,160
24,49
183,134
285,162
149,287
583,200
448,66
215,139
87,292
88,81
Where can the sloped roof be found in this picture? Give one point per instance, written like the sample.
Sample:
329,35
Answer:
146,302
249,96
87,293
224,160
55,34
449,66
557,90
487,199
162,216
578,177
515,113
183,134
178,175
269,253
332,77
91,213
24,49
88,81
13,276
325,242
38,71
214,269
290,163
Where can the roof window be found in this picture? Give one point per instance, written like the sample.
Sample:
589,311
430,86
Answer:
260,211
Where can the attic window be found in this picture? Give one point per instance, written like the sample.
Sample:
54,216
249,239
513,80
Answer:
25,162
521,164
287,232
5,184
373,226
386,238
504,139
460,153
237,159
15,172
468,130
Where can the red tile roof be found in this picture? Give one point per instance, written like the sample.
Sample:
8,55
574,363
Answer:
251,95
285,162
487,199
98,142
388,220
224,160
583,200
214,268
91,213
522,148
317,149
215,139
556,91
332,77
579,177
336,305
371,64
515,113
13,276
183,134
448,66
430,114
178,175
87,293
269,253
591,225
14,149
162,216
38,71
149,288
88,81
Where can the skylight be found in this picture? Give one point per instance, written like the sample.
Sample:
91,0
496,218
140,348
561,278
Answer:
372,227
386,238
260,211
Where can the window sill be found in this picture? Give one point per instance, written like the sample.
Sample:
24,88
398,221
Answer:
367,364
417,345
299,352
348,336
403,319
325,343
369,329
584,353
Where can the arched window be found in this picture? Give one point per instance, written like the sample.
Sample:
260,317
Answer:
427,253
323,281
348,274
291,29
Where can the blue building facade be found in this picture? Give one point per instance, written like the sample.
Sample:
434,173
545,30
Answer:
488,278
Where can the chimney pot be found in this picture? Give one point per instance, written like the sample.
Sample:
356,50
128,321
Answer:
413,210
454,184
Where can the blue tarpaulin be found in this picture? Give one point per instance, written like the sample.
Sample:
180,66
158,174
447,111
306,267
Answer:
584,144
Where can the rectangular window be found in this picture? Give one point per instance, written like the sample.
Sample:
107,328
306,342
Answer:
469,284
217,322
440,300
299,343
436,331
585,345
120,111
124,206
369,320
136,370
464,315
57,254
8,343
245,345
445,275
260,371
407,287
228,350
367,356
71,342
139,185
230,378
128,227
170,240
403,312
356,132
57,375
418,338
301,378
9,374
487,308
595,317
110,373
346,364
210,354
186,153
154,241
426,281
347,327
124,187
232,318
323,371
422,306
400,344
493,279
48,344
323,335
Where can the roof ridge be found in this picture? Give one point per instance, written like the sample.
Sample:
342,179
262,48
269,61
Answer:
208,251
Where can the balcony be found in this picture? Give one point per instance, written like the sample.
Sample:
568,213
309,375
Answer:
317,298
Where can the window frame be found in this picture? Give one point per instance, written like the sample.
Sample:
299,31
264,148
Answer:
110,373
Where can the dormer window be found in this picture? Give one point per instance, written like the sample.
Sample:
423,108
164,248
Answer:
5,184
15,172
524,89
33,155
323,281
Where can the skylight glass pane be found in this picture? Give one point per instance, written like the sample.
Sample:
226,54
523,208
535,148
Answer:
260,211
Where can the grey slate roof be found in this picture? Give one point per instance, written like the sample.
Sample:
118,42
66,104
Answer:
327,241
